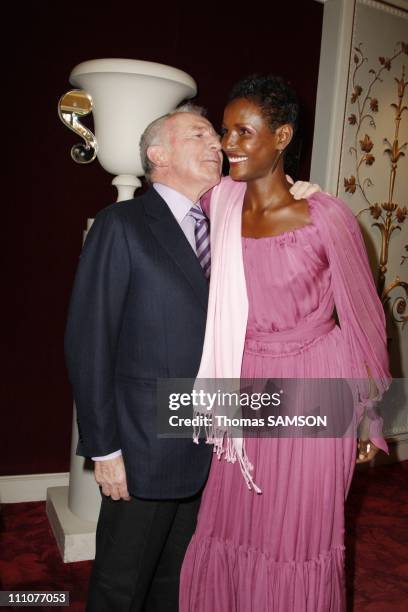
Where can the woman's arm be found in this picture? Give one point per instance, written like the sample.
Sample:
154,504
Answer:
360,312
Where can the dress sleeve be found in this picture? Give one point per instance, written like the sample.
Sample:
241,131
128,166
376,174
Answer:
360,312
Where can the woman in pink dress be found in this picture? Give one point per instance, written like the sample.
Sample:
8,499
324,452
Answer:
279,268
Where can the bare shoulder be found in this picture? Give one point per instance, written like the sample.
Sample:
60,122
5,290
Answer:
301,209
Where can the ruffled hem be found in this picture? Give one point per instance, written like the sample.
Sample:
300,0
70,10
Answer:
219,576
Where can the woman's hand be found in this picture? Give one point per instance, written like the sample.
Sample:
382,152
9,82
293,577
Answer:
366,451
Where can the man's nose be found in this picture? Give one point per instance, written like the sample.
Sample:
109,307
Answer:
215,143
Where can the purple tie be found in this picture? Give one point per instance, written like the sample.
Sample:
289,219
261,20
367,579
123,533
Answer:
202,238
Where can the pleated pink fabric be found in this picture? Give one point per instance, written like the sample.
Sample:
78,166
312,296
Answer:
283,550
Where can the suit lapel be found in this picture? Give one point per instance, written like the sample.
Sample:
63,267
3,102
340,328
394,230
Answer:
171,237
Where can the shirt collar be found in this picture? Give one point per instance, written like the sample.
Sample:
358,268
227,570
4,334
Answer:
178,203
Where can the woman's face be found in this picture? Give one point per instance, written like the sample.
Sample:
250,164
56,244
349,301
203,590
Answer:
248,141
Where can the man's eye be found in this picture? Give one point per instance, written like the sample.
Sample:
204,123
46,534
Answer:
223,131
244,130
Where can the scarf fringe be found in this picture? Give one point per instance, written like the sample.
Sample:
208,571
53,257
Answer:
224,445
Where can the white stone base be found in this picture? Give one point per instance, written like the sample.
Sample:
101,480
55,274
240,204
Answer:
75,537
29,487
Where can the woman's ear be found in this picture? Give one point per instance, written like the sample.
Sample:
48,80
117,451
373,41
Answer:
284,135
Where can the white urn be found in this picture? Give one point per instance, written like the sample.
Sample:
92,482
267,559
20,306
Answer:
124,96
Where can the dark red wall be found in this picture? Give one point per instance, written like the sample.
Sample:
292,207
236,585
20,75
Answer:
51,196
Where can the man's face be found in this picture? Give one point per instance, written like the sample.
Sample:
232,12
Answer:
193,153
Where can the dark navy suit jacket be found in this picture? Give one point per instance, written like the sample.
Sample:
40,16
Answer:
137,313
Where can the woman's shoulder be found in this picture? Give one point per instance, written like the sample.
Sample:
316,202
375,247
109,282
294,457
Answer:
326,201
327,207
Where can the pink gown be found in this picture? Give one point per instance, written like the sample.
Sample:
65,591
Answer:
282,550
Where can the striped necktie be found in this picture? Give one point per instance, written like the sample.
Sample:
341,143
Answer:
202,238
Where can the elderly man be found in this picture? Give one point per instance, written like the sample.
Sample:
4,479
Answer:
138,313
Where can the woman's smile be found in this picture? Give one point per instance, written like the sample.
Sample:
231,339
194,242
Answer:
237,159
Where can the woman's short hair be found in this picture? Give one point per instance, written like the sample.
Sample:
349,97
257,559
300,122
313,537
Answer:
276,98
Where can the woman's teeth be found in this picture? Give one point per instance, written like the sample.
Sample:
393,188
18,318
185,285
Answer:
237,159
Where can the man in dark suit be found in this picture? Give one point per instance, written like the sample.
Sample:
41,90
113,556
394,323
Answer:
137,314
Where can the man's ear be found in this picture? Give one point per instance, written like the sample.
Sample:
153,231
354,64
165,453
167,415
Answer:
157,154
284,135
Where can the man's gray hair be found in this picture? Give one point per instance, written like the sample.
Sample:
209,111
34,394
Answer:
153,134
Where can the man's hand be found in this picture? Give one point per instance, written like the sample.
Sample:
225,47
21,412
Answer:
366,451
111,476
302,189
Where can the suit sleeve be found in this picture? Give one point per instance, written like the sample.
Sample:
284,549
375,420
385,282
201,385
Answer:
92,333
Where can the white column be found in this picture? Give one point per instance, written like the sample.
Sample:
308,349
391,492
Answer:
337,32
